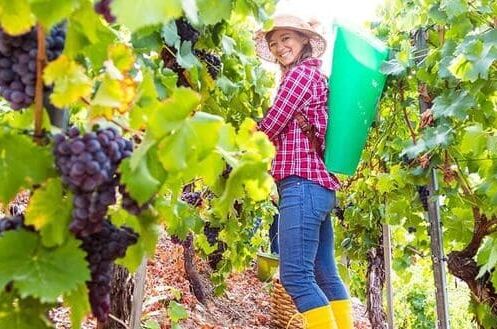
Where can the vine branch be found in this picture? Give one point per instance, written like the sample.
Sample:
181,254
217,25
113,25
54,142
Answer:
406,118
41,58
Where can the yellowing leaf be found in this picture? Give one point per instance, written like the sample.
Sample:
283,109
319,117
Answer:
50,212
122,56
16,16
69,79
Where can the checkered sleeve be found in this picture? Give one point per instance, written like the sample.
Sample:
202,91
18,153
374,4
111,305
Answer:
293,93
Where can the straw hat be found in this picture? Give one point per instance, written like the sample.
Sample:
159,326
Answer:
316,39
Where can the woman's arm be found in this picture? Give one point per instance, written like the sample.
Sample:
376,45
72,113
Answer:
294,92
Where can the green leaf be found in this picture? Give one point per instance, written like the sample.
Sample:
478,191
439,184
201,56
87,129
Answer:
212,12
206,128
87,35
176,311
22,164
385,183
185,57
453,104
171,113
178,149
474,60
77,301
51,12
493,279
69,79
16,16
49,211
474,140
140,183
487,256
454,8
393,67
38,271
179,217
17,313
150,12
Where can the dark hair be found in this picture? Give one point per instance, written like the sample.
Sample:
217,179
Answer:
306,51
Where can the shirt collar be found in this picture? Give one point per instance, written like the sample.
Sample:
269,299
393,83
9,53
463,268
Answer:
309,62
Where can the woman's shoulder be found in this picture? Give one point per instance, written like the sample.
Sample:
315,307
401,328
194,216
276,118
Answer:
309,68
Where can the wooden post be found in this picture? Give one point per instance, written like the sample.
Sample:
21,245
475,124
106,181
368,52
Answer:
138,294
435,229
387,254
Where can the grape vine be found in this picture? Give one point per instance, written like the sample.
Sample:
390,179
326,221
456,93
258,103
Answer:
93,195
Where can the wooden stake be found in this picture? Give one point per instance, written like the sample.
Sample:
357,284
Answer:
41,59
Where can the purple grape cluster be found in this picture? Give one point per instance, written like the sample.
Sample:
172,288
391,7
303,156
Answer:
186,31
88,165
18,64
192,198
212,234
102,249
11,223
212,61
424,193
102,7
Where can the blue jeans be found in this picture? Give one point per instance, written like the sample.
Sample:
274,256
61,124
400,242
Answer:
307,262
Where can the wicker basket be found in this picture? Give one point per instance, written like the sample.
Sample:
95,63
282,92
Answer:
283,311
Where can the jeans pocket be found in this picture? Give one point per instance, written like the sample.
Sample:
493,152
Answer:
322,200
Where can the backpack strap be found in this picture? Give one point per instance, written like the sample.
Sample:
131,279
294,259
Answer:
310,131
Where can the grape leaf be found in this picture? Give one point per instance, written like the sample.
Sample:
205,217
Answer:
453,104
140,183
49,211
77,301
16,16
51,12
176,311
178,149
151,12
22,164
38,271
454,8
17,313
212,13
179,218
474,140
170,114
122,56
69,79
87,35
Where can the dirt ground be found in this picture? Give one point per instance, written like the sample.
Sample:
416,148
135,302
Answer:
245,305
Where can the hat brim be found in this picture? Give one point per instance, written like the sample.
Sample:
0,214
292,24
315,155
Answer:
317,41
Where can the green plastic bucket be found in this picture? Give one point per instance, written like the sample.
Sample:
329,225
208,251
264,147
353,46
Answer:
356,85
267,264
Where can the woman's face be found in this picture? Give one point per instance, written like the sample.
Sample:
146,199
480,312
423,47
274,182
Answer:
286,45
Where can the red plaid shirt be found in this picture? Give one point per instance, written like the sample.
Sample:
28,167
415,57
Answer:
305,89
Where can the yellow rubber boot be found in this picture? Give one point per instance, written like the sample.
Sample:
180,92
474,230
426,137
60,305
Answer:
342,310
319,318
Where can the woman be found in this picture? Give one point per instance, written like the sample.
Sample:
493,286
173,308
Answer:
296,124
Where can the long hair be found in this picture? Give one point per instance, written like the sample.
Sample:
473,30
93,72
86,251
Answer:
306,51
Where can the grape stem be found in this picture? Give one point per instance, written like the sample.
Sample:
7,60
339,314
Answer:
41,59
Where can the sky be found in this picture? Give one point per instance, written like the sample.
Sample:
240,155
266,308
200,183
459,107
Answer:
352,11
